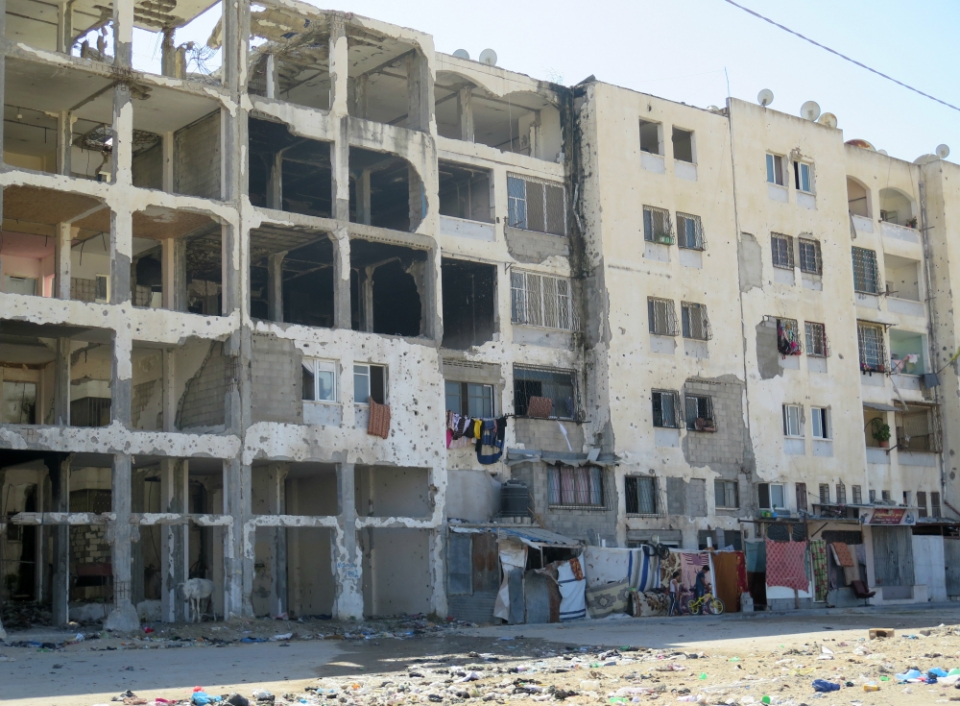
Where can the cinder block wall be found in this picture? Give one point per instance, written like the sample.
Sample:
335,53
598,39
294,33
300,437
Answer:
202,404
148,168
197,164
277,380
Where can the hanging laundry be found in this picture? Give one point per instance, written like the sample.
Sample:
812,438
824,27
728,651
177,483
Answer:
818,556
788,337
844,558
491,436
379,421
787,565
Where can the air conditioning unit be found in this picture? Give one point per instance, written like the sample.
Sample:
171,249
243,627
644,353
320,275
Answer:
102,294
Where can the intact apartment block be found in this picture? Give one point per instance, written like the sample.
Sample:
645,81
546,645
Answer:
216,266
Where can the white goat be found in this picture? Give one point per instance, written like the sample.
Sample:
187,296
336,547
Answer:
195,591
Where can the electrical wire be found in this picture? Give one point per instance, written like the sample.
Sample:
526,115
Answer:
842,56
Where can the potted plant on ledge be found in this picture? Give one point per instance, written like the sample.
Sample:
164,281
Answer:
881,432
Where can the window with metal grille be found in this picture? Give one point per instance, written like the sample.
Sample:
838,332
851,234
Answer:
578,487
782,247
775,169
694,321
810,260
873,357
641,492
916,430
699,413
816,335
662,317
556,385
935,505
657,227
470,399
841,494
534,204
540,300
821,429
824,493
801,497
857,494
689,231
921,503
666,404
792,420
866,276
726,494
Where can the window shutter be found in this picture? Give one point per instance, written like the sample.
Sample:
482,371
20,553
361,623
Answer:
536,216
763,494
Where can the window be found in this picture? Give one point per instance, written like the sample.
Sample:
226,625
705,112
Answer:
319,380
657,227
662,317
821,429
470,399
575,486
788,337
792,420
536,205
555,385
689,232
885,495
873,359
802,173
934,504
824,493
102,290
540,300
857,495
726,494
683,145
775,169
641,492
699,410
650,137
906,498
782,246
921,503
369,383
666,405
866,277
873,496
770,496
801,497
841,494
810,260
694,321
816,335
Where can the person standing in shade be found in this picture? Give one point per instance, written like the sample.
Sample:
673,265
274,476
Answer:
675,594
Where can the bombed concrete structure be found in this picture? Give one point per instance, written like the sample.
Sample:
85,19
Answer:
216,273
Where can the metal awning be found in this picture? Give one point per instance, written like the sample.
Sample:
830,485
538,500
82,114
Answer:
532,536
881,407
594,458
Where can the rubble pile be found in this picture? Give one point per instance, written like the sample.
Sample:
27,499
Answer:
21,616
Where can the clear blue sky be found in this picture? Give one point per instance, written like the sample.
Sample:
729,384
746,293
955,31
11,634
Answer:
678,49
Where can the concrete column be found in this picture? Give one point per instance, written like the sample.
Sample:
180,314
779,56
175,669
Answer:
60,587
366,299
465,113
123,135
123,618
169,391
339,67
238,562
275,183
168,53
341,278
347,562
137,487
173,256
418,198
65,27
419,92
121,378
362,186
122,33
62,256
121,255
174,539
65,122
276,505
273,78
168,146
361,103
61,390
233,278
275,286
340,148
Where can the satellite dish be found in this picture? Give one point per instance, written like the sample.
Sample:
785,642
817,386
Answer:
810,110
462,54
943,151
828,119
883,152
488,57
765,97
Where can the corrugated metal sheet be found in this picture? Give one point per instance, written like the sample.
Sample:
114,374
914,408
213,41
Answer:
477,608
527,535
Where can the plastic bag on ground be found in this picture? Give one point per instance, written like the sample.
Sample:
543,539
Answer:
824,686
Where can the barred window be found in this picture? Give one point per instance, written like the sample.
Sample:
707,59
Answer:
641,492
657,227
824,493
699,409
726,494
917,430
810,260
873,358
578,487
694,321
816,335
555,385
782,246
866,277
540,300
662,317
935,505
857,494
801,497
537,205
666,409
689,231
841,494
922,503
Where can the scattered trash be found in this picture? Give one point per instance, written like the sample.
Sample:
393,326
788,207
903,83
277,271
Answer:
881,633
823,685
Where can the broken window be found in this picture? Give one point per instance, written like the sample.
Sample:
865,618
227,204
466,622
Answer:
641,492
385,191
650,137
289,172
917,429
816,335
866,277
683,145
803,176
824,493
801,497
935,504
666,409
782,247
689,232
726,494
556,385
291,276
921,503
873,358
369,383
569,486
465,192
536,205
810,261
699,413
540,300
19,402
386,288
657,227
470,399
821,427
793,421
695,323
319,380
770,496
775,169
662,317
469,303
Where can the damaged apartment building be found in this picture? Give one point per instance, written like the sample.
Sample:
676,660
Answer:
237,238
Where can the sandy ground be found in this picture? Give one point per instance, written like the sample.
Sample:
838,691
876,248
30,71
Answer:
740,659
